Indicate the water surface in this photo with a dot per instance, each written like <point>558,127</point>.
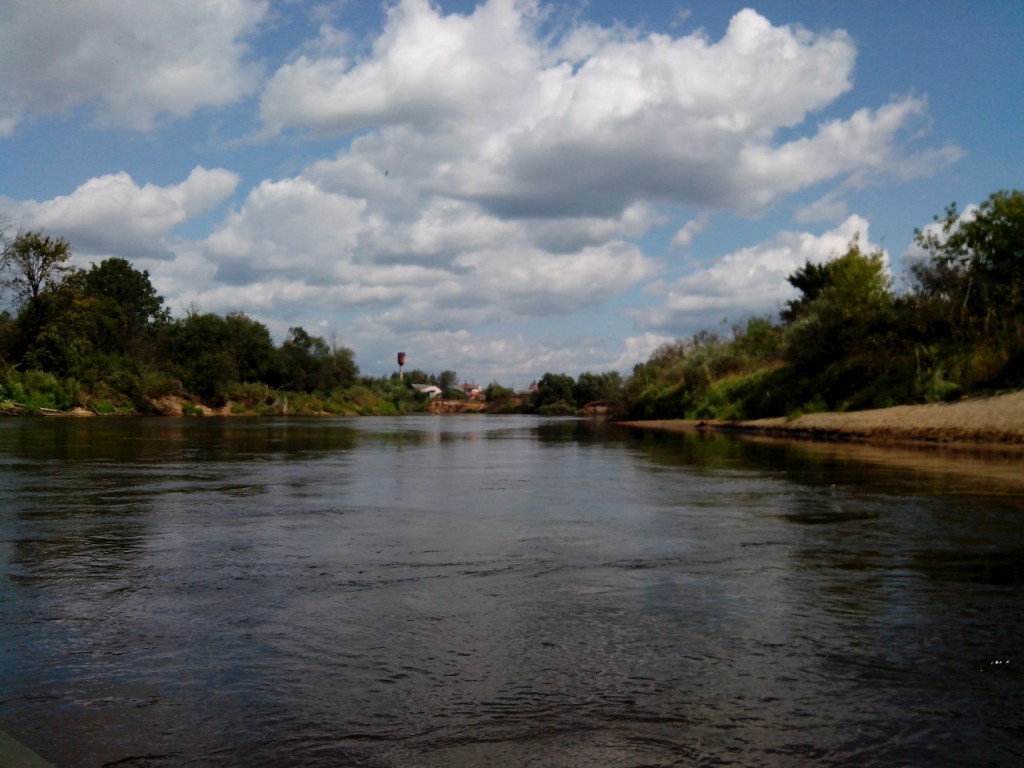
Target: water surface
<point>502,591</point>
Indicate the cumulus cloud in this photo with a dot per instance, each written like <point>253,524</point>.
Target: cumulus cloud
<point>425,68</point>
<point>450,267</point>
<point>749,281</point>
<point>113,215</point>
<point>684,235</point>
<point>492,168</point>
<point>595,121</point>
<point>133,62</point>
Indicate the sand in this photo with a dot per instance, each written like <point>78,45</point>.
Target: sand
<point>997,420</point>
<point>970,446</point>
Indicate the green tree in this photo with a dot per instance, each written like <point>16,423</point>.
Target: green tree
<point>128,305</point>
<point>840,336</point>
<point>252,348</point>
<point>32,263</point>
<point>811,280</point>
<point>198,348</point>
<point>758,343</point>
<point>56,328</point>
<point>309,364</point>
<point>977,261</point>
<point>970,289</point>
<point>344,370</point>
<point>499,398</point>
<point>595,387</point>
<point>553,389</point>
<point>447,380</point>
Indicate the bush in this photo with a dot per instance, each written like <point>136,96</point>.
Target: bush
<point>755,395</point>
<point>157,384</point>
<point>560,408</point>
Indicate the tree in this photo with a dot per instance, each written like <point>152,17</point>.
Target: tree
<point>198,348</point>
<point>595,387</point>
<point>343,367</point>
<point>56,329</point>
<point>970,291</point>
<point>811,280</point>
<point>839,337</point>
<point>554,388</point>
<point>447,380</point>
<point>977,262</point>
<point>308,363</point>
<point>252,348</point>
<point>759,342</point>
<point>128,306</point>
<point>32,263</point>
<point>499,397</point>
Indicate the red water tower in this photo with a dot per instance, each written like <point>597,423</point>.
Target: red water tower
<point>401,362</point>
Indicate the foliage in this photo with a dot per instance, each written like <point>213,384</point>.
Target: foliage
<point>682,378</point>
<point>34,390</point>
<point>597,387</point>
<point>307,363</point>
<point>198,350</point>
<point>848,341</point>
<point>101,338</point>
<point>127,307</point>
<point>972,286</point>
<point>252,350</point>
<point>447,379</point>
<point>33,263</point>
<point>554,388</point>
<point>838,329</point>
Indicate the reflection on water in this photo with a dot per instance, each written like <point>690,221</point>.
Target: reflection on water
<point>504,591</point>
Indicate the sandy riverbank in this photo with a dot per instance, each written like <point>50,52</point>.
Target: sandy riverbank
<point>974,445</point>
<point>997,420</point>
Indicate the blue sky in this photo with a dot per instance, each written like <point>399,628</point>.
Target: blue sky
<point>500,188</point>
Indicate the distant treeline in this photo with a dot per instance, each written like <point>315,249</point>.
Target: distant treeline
<point>849,341</point>
<point>102,339</point>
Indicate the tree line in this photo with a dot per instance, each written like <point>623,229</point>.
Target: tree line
<point>102,338</point>
<point>849,340</point>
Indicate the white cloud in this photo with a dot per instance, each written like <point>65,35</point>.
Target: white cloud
<point>294,248</point>
<point>749,281</point>
<point>424,68</point>
<point>684,235</point>
<point>112,215</point>
<point>134,62</point>
<point>830,207</point>
<point>598,121</point>
<point>490,171</point>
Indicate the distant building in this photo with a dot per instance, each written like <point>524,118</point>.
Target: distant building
<point>427,389</point>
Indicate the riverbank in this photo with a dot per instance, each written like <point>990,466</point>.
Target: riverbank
<point>997,420</point>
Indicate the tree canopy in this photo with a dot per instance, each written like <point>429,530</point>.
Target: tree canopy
<point>33,263</point>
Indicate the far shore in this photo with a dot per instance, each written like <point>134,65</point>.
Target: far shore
<point>992,421</point>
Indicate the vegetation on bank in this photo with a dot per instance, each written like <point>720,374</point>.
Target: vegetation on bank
<point>852,342</point>
<point>101,339</point>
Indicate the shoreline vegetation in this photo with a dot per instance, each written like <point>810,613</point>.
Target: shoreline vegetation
<point>984,421</point>
<point>851,357</point>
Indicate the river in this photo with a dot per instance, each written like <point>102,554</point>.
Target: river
<point>498,591</point>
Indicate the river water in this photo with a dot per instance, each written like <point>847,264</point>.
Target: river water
<point>499,591</point>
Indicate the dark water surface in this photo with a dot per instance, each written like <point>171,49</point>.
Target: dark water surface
<point>497,591</point>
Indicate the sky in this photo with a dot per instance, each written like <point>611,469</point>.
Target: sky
<point>502,188</point>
